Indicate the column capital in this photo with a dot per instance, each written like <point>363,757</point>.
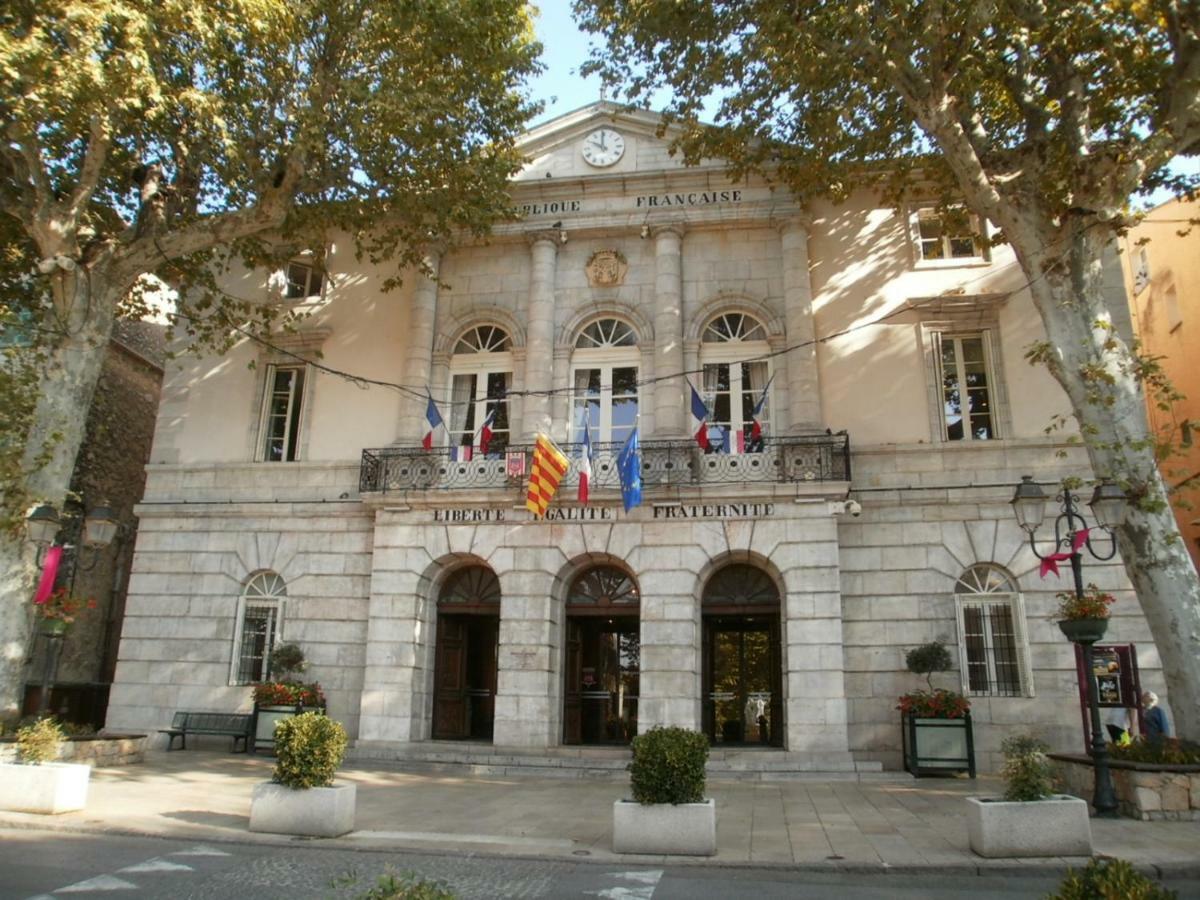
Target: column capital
<point>801,220</point>
<point>675,228</point>
<point>553,236</point>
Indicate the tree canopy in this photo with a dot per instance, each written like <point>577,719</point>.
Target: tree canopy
<point>168,137</point>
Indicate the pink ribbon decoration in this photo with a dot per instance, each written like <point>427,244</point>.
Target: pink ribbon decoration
<point>49,573</point>
<point>1050,563</point>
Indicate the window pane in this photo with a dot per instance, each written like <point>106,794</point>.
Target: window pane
<point>258,636</point>
<point>951,395</point>
<point>962,247</point>
<point>624,417</point>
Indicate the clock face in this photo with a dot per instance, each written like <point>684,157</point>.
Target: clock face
<point>603,147</point>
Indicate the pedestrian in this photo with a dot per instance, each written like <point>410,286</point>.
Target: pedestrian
<point>1154,717</point>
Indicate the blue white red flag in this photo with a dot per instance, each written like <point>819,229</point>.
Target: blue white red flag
<point>485,432</point>
<point>434,418</point>
<point>699,419</point>
<point>585,462</point>
<point>756,436</point>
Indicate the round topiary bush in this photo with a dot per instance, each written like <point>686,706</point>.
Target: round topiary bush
<point>38,743</point>
<point>927,659</point>
<point>1026,769</point>
<point>668,766</point>
<point>308,749</point>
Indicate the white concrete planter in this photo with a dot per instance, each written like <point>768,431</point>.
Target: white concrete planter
<point>315,812</point>
<point>1058,826</point>
<point>47,788</point>
<point>688,829</point>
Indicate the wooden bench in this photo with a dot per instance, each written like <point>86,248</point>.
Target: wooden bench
<point>235,725</point>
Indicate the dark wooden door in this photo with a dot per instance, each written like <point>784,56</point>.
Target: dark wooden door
<point>450,679</point>
<point>483,635</point>
<point>572,701</point>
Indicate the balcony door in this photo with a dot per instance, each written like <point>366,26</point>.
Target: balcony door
<point>605,381</point>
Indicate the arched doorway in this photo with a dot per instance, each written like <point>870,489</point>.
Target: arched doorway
<point>468,630</point>
<point>743,672</point>
<point>603,659</point>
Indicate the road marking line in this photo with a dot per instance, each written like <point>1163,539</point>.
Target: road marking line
<point>99,883</point>
<point>199,850</point>
<point>648,879</point>
<point>157,865</point>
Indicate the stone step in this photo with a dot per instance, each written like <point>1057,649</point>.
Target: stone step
<point>607,762</point>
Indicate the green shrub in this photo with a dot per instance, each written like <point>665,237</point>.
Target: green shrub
<point>668,766</point>
<point>286,660</point>
<point>308,749</point>
<point>927,659</point>
<point>1112,879</point>
<point>1161,750</point>
<point>399,886</point>
<point>38,743</point>
<point>1026,769</point>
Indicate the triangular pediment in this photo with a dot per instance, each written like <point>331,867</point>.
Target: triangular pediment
<point>555,148</point>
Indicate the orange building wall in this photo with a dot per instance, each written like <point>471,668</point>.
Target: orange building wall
<point>1162,270</point>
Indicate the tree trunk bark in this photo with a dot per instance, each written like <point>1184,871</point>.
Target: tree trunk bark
<point>1083,304</point>
<point>64,397</point>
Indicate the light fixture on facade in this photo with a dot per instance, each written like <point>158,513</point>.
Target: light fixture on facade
<point>1109,505</point>
<point>100,526</point>
<point>1029,504</point>
<point>41,525</point>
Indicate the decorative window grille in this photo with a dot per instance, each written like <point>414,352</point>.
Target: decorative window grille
<point>992,642</point>
<point>260,610</point>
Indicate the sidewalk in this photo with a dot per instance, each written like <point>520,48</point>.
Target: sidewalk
<point>906,825</point>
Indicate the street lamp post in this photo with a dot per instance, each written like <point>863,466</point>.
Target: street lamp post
<point>42,525</point>
<point>1071,534</point>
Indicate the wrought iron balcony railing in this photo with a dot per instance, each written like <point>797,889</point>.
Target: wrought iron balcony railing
<point>678,463</point>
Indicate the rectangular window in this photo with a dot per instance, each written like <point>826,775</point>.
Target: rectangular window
<point>964,371</point>
<point>945,237</point>
<point>732,390</point>
<point>303,281</point>
<point>608,397</point>
<point>256,636</point>
<point>473,397</point>
<point>281,415</point>
<point>992,646</point>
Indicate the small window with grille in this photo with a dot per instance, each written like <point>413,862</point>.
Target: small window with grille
<point>260,609</point>
<point>992,642</point>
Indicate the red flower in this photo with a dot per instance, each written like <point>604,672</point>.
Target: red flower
<point>937,704</point>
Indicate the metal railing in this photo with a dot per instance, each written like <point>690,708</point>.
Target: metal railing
<point>677,463</point>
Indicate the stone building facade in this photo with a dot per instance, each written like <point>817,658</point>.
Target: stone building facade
<point>765,592</point>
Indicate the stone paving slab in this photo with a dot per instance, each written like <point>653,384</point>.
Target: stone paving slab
<point>913,825</point>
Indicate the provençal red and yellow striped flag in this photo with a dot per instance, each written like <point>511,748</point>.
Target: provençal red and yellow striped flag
<point>549,467</point>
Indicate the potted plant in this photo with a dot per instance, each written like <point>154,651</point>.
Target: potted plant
<point>1084,618</point>
<point>668,813</point>
<point>284,696</point>
<point>937,735</point>
<point>302,798</point>
<point>34,783</point>
<point>1030,819</point>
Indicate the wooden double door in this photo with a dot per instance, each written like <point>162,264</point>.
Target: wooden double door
<point>464,692</point>
<point>603,664</point>
<point>743,681</point>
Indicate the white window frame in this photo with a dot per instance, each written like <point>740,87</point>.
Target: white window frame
<point>733,352</point>
<point>606,359</point>
<point>984,337</point>
<point>293,433</point>
<point>1015,602</point>
<point>979,256</point>
<point>481,364</point>
<point>1141,270</point>
<point>262,591</point>
<point>312,273</point>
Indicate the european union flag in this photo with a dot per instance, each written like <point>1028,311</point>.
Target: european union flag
<point>629,468</point>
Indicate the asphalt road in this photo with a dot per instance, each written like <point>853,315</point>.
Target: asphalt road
<point>60,864</point>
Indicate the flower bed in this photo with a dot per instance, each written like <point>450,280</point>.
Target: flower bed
<point>90,750</point>
<point>1146,791</point>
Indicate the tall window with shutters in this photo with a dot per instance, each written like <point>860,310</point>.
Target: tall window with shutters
<point>259,615</point>
<point>992,642</point>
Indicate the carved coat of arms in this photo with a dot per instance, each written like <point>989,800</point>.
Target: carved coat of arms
<point>606,268</point>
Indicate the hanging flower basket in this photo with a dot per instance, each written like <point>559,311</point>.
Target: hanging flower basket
<point>1083,631</point>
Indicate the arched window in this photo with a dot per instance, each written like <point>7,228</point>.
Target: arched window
<point>992,643</point>
<point>472,586</point>
<point>740,586</point>
<point>603,587</point>
<point>733,354</point>
<point>259,617</point>
<point>605,379</point>
<point>480,376</point>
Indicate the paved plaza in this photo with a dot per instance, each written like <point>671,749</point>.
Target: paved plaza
<point>879,825</point>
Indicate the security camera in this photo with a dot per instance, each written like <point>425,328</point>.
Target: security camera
<point>854,508</point>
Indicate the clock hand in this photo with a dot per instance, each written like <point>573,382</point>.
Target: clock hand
<point>602,140</point>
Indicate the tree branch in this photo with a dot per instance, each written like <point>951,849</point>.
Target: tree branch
<point>99,140</point>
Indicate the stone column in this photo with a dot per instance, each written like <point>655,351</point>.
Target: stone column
<point>539,317</point>
<point>803,380</point>
<point>669,400</point>
<point>418,359</point>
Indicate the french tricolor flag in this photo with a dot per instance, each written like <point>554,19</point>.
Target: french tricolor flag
<point>699,419</point>
<point>756,430</point>
<point>485,432</point>
<point>585,463</point>
<point>434,418</point>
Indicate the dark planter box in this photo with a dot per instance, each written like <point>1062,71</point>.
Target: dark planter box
<point>938,746</point>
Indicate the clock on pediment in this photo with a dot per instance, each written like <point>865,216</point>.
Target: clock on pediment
<point>603,147</point>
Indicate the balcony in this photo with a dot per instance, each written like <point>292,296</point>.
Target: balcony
<point>677,464</point>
